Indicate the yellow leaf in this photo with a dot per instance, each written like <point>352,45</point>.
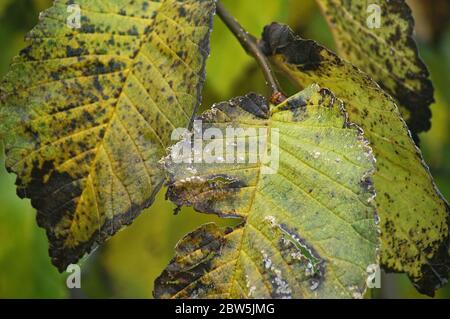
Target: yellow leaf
<point>377,37</point>
<point>414,215</point>
<point>88,109</point>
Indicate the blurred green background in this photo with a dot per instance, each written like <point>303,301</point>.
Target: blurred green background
<point>128,264</point>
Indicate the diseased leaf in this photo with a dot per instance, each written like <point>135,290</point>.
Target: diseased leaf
<point>131,260</point>
<point>414,215</point>
<point>26,272</point>
<point>88,112</point>
<point>388,53</point>
<point>308,228</point>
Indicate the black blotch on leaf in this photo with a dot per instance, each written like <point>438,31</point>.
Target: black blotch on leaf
<point>253,103</point>
<point>280,39</point>
<point>180,273</point>
<point>46,182</point>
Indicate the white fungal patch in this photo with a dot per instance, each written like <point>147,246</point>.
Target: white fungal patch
<point>303,251</point>
<point>191,170</point>
<point>314,284</point>
<point>267,261</point>
<point>251,291</point>
<point>296,255</point>
<point>356,293</point>
<point>197,293</point>
<point>251,288</point>
<point>220,159</point>
<point>286,242</point>
<point>272,220</point>
<point>281,286</point>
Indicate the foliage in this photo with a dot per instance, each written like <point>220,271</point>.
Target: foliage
<point>388,53</point>
<point>30,275</point>
<point>406,192</point>
<point>413,243</point>
<point>308,229</point>
<point>69,101</point>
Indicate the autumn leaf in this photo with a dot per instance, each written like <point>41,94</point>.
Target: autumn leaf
<point>308,226</point>
<point>414,215</point>
<point>88,112</point>
<point>377,37</point>
<point>25,245</point>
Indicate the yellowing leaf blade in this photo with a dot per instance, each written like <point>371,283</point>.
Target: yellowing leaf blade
<point>89,112</point>
<point>386,51</point>
<point>308,229</point>
<point>414,215</point>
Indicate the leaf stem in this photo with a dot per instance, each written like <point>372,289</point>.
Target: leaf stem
<point>250,44</point>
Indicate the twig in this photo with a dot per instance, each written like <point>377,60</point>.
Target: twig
<point>250,45</point>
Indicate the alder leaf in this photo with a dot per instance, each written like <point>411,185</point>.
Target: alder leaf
<point>414,215</point>
<point>308,227</point>
<point>387,52</point>
<point>87,113</point>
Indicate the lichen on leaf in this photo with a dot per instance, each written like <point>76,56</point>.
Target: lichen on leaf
<point>88,112</point>
<point>414,215</point>
<point>307,226</point>
<point>387,52</point>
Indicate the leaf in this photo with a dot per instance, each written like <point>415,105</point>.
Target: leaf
<point>128,271</point>
<point>389,53</point>
<point>89,112</point>
<point>25,270</point>
<point>414,215</point>
<point>307,228</point>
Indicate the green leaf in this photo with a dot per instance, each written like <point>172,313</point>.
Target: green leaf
<point>307,227</point>
<point>414,215</point>
<point>388,53</point>
<point>87,113</point>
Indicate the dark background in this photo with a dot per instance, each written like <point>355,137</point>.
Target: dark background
<point>128,264</point>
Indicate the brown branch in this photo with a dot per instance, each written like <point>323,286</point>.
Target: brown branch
<point>249,43</point>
